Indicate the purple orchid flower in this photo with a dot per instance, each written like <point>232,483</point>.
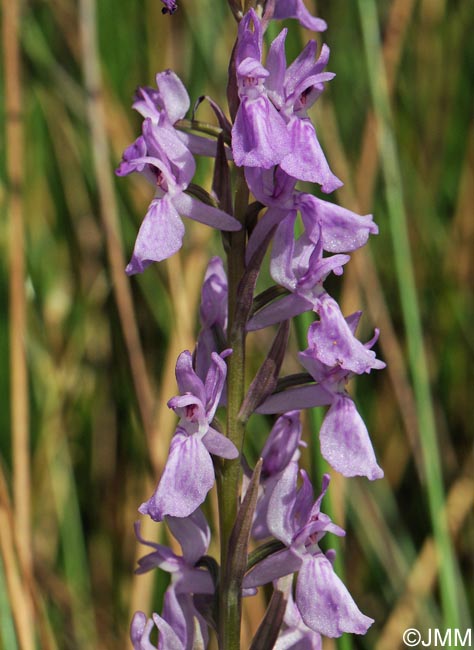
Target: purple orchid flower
<point>164,159</point>
<point>321,598</point>
<point>166,106</point>
<point>296,9</point>
<point>213,314</point>
<point>189,473</point>
<point>259,136</point>
<point>141,627</point>
<point>281,448</point>
<point>333,357</point>
<point>340,230</point>
<point>296,635</point>
<point>187,580</point>
<point>293,91</point>
<point>300,268</point>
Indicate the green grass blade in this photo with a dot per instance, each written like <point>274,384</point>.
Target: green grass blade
<point>449,585</point>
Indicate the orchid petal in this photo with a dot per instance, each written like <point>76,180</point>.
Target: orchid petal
<point>324,602</point>
<point>160,236</point>
<point>187,478</point>
<point>306,160</point>
<point>192,533</point>
<point>218,445</point>
<point>272,567</point>
<point>173,94</point>
<point>345,442</point>
<point>190,207</point>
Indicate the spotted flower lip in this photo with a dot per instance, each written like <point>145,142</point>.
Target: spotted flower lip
<point>176,626</point>
<point>321,598</point>
<point>164,160</point>
<point>189,473</point>
<point>333,357</point>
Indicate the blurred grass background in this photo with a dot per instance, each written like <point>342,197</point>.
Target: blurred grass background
<point>87,355</point>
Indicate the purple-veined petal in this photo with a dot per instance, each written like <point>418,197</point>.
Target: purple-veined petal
<point>342,230</point>
<point>272,567</point>
<point>345,442</point>
<point>278,311</point>
<point>164,144</point>
<point>334,345</point>
<point>132,153</point>
<point>147,102</point>
<point>160,236</point>
<point>199,145</point>
<point>168,639</point>
<point>282,444</point>
<point>297,635</point>
<point>260,521</point>
<point>192,533</point>
<point>324,602</point>
<point>192,414</point>
<point>188,381</point>
<point>281,267</point>
<point>190,207</point>
<point>195,581</point>
<point>280,519</point>
<point>213,308</point>
<point>173,94</point>
<point>302,504</point>
<point>259,134</point>
<point>187,478</point>
<point>302,397</point>
<point>276,66</point>
<point>216,443</point>
<point>302,67</point>
<point>162,556</point>
<point>215,381</point>
<point>140,629</point>
<point>249,41</point>
<point>272,187</point>
<point>306,160</point>
<point>296,9</point>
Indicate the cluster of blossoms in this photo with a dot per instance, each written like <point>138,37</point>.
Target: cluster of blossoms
<point>272,144</point>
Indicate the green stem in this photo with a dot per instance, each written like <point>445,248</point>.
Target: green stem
<point>228,484</point>
<point>448,569</point>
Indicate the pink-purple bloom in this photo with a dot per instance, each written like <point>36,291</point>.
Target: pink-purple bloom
<point>164,159</point>
<point>296,9</point>
<point>281,448</point>
<point>272,126</point>
<point>213,315</point>
<point>189,473</point>
<point>321,598</point>
<point>296,635</point>
<point>332,358</point>
<point>273,139</point>
<point>259,136</point>
<point>340,230</point>
<point>176,624</point>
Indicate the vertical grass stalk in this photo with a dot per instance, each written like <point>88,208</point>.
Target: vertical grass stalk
<point>448,570</point>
